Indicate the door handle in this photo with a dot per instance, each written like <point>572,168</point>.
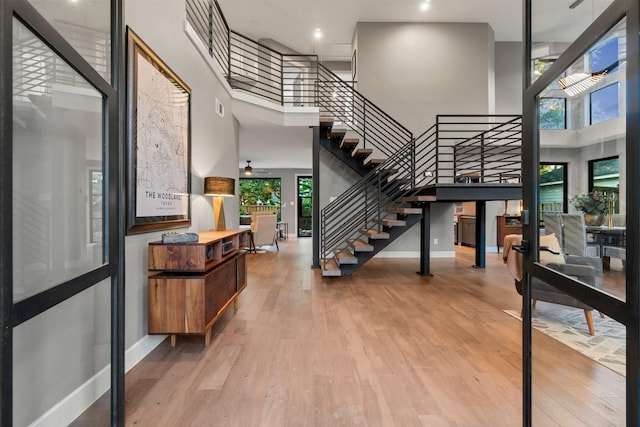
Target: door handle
<point>522,248</point>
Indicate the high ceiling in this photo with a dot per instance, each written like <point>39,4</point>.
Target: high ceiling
<point>292,23</point>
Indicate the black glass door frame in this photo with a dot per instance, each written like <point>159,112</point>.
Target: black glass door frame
<point>624,312</point>
<point>13,313</point>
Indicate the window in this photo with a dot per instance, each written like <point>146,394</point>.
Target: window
<point>604,57</point>
<point>96,206</point>
<point>553,188</point>
<point>604,175</point>
<point>259,194</point>
<point>604,104</point>
<point>553,113</point>
<point>540,66</point>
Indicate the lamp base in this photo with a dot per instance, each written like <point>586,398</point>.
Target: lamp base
<point>218,214</point>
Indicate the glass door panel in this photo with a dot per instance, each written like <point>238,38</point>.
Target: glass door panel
<point>578,354</point>
<point>54,364</point>
<point>595,187</point>
<point>578,379</point>
<point>555,25</point>
<point>57,153</point>
<point>85,25</point>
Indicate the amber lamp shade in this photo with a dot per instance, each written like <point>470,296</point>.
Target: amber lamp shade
<point>219,186</point>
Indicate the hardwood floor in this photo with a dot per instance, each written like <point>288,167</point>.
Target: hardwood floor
<point>383,347</point>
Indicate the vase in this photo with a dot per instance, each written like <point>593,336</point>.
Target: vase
<point>594,219</point>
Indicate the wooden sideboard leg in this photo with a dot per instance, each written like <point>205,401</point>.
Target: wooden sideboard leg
<point>235,304</point>
<point>174,338</point>
<point>207,337</point>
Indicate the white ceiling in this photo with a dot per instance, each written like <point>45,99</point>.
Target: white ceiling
<point>292,24</point>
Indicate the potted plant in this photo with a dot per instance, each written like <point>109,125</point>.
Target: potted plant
<point>594,205</point>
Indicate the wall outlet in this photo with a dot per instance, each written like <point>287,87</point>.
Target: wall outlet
<point>435,241</point>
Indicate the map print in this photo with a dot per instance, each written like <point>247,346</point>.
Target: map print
<point>161,144</point>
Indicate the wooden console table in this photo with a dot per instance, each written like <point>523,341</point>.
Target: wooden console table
<point>191,284</point>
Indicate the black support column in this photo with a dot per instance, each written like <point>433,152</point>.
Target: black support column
<point>425,239</point>
<point>481,216</point>
<point>315,197</point>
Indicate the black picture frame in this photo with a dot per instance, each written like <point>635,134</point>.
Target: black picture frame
<point>158,180</point>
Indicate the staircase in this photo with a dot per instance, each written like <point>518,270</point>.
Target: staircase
<point>371,214</point>
<point>388,200</point>
<point>399,173</point>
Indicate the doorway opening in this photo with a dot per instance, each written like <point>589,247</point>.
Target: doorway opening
<point>305,205</point>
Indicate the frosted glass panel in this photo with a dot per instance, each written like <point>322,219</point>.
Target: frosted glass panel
<point>57,154</point>
<point>85,24</point>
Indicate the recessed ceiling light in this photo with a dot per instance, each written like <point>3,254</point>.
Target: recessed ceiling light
<point>424,5</point>
<point>317,33</point>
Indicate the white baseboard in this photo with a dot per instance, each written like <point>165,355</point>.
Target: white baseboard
<point>139,350</point>
<point>415,254</point>
<point>69,408</point>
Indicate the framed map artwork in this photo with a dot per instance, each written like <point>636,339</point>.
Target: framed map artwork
<point>158,143</point>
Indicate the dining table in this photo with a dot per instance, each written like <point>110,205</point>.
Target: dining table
<point>613,239</point>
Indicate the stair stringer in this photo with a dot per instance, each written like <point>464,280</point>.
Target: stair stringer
<point>379,244</point>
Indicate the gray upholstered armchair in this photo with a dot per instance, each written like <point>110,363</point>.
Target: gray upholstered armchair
<point>586,269</point>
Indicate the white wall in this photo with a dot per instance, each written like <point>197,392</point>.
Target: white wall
<point>508,72</point>
<point>414,71</point>
<point>214,141</point>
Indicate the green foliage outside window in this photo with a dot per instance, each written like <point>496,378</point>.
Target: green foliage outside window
<point>259,192</point>
<point>552,113</point>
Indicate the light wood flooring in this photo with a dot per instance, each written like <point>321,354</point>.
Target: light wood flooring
<point>383,347</point>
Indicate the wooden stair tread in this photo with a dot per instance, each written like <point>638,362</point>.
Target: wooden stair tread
<point>343,256</point>
<point>349,143</point>
<point>374,162</point>
<point>337,133</point>
<point>405,211</point>
<point>414,199</point>
<point>360,245</point>
<point>331,268</point>
<point>362,152</point>
<point>390,222</point>
<point>375,234</point>
<point>326,120</point>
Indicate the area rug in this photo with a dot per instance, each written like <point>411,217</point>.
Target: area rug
<point>568,325</point>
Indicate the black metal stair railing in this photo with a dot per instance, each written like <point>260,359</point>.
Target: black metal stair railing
<point>251,66</point>
<point>364,205</point>
<point>378,130</point>
<point>470,148</point>
<point>457,148</point>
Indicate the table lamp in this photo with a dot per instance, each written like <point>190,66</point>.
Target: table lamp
<point>219,187</point>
